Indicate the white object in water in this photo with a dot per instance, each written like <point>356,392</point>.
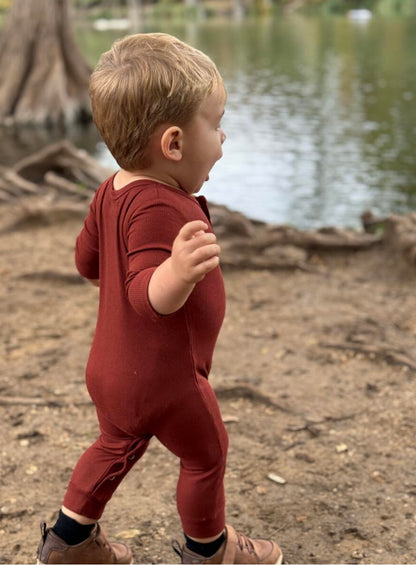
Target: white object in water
<point>102,24</point>
<point>361,14</point>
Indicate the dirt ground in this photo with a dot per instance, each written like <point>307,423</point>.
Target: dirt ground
<point>314,372</point>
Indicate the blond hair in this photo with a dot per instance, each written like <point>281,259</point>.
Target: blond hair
<point>143,81</point>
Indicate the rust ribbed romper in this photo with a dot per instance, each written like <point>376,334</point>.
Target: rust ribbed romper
<point>147,374</point>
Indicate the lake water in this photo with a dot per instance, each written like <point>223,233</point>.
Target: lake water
<point>320,119</point>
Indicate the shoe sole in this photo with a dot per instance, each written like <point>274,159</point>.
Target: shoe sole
<point>279,559</point>
<point>42,563</point>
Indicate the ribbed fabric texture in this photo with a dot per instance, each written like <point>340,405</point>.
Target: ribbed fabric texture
<point>146,373</point>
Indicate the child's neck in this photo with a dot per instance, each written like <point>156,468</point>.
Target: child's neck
<point>123,178</point>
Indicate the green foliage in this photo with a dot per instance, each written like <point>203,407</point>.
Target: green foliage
<point>381,7</point>
<point>5,5</point>
<point>82,188</point>
<point>173,10</point>
<point>177,9</point>
<point>396,7</point>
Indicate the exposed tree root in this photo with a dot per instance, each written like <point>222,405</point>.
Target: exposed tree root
<point>57,183</point>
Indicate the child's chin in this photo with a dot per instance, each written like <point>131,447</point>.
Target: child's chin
<point>197,188</point>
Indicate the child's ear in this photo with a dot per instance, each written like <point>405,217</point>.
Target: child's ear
<point>171,143</point>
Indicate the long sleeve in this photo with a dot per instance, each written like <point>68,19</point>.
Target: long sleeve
<point>150,236</point>
<point>87,246</point>
<point>128,233</point>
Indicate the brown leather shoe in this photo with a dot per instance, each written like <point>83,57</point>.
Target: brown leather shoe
<point>237,548</point>
<point>95,549</point>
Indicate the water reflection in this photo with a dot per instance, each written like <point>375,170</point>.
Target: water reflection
<point>18,142</point>
<point>321,122</point>
<point>320,119</point>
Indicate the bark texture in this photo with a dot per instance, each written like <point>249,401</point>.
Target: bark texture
<point>44,78</point>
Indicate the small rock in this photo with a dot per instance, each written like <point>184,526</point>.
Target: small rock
<point>301,518</point>
<point>357,554</point>
<point>31,470</point>
<point>341,448</point>
<point>276,478</point>
<point>230,419</point>
<point>377,476</point>
<point>128,534</point>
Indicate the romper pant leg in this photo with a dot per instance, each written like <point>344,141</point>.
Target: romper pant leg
<point>101,469</point>
<point>194,431</point>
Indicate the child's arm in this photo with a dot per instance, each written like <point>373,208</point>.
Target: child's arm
<point>86,248</point>
<point>194,254</point>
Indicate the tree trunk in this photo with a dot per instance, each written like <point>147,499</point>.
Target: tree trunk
<point>44,77</point>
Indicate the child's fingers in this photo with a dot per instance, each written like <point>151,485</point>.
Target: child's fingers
<point>190,229</point>
<point>204,253</point>
<point>200,241</point>
<point>206,266</point>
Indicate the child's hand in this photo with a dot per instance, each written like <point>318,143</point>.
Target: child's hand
<point>194,252</point>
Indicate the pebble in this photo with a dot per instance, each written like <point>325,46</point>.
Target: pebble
<point>377,476</point>
<point>230,419</point>
<point>341,448</point>
<point>276,478</point>
<point>31,470</point>
<point>128,534</point>
<point>301,518</point>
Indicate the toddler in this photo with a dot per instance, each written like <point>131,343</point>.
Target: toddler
<point>148,244</point>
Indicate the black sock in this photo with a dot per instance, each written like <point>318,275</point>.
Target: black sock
<point>71,531</point>
<point>205,549</point>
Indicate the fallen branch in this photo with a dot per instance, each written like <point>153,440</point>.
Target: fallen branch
<point>64,157</point>
<point>61,171</point>
<point>53,276</point>
<point>384,352</point>
<point>325,238</point>
<point>59,166</point>
<point>37,401</point>
<point>311,425</point>
<point>325,419</point>
<point>65,185</point>
<point>14,179</point>
<point>249,393</point>
<point>42,212</point>
<point>12,513</point>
